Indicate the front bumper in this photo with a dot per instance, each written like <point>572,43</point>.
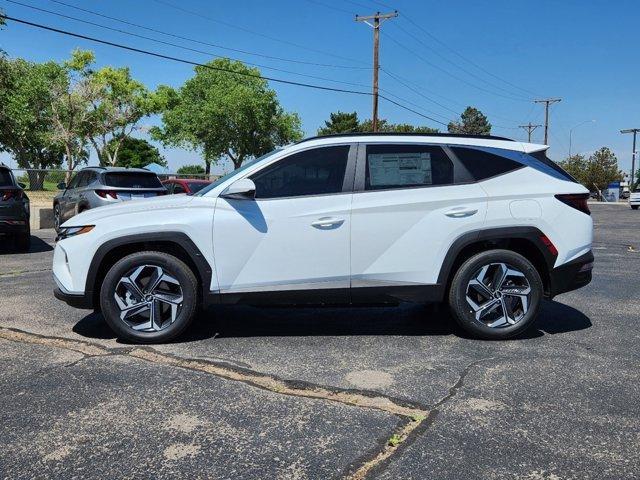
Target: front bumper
<point>74,300</point>
<point>572,275</point>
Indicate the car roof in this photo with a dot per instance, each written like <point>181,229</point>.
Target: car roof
<point>435,138</point>
<point>117,169</point>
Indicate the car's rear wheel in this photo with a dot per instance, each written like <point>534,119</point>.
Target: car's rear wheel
<point>635,207</point>
<point>149,297</point>
<point>496,294</point>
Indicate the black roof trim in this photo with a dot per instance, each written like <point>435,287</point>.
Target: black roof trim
<point>405,134</point>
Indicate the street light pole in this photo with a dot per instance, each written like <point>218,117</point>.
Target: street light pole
<point>573,128</point>
<point>633,153</point>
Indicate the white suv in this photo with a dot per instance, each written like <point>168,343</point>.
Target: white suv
<point>487,224</point>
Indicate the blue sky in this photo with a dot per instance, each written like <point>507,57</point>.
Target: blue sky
<point>582,51</point>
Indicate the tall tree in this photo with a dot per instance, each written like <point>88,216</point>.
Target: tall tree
<point>340,122</point>
<point>385,126</point>
<point>577,166</point>
<point>472,121</point>
<point>225,114</point>
<point>602,169</point>
<point>72,98</point>
<point>26,116</point>
<point>136,153</point>
<point>120,102</point>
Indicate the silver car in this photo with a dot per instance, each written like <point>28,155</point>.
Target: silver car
<point>98,186</point>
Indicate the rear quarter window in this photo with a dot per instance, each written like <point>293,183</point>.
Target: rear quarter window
<point>482,165</point>
<point>132,180</point>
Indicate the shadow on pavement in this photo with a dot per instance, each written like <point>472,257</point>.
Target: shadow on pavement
<point>403,320</point>
<point>38,245</point>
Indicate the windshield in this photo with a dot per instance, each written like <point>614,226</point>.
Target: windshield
<point>132,180</point>
<point>230,175</point>
<point>6,180</point>
<point>196,186</point>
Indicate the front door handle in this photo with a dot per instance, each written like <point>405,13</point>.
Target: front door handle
<point>461,212</point>
<point>325,223</point>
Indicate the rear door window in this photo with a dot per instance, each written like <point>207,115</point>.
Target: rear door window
<point>132,180</point>
<point>6,179</point>
<point>406,166</point>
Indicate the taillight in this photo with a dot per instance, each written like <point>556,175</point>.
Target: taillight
<point>107,193</point>
<point>549,244</point>
<point>8,194</point>
<point>576,200</point>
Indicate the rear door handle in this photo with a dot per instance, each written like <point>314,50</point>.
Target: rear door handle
<point>461,212</point>
<point>325,223</point>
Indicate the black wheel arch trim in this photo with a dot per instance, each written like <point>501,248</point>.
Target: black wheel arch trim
<point>205,271</point>
<point>532,234</point>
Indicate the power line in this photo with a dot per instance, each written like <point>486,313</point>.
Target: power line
<point>530,129</point>
<point>443,57</point>
<point>210,67</point>
<point>247,30</point>
<point>316,77</point>
<point>201,42</point>
<point>547,102</point>
<point>417,55</point>
<point>479,67</point>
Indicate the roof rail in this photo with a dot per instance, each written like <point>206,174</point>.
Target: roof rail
<point>405,134</point>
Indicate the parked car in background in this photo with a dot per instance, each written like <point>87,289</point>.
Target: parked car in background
<point>634,199</point>
<point>489,225</point>
<point>14,210</point>
<point>183,185</point>
<point>99,186</point>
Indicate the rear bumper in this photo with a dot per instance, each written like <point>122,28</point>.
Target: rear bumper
<point>11,226</point>
<point>572,275</point>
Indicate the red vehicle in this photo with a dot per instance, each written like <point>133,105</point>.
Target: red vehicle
<point>184,185</point>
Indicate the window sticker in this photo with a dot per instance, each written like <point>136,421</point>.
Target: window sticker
<point>399,169</point>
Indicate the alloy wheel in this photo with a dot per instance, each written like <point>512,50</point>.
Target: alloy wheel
<point>149,298</point>
<point>499,295</point>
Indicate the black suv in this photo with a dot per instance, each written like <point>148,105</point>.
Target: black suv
<point>14,210</point>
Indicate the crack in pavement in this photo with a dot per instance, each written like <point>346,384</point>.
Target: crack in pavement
<point>415,415</point>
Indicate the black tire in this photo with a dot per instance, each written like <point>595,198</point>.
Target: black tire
<point>22,241</point>
<point>56,217</point>
<point>469,271</point>
<point>635,207</point>
<point>170,265</point>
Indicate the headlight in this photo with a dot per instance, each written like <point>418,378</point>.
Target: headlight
<point>66,232</point>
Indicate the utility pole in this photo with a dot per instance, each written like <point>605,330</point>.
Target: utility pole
<point>633,153</point>
<point>529,128</point>
<point>376,54</point>
<point>547,102</point>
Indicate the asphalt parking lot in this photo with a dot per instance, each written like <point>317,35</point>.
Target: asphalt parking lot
<point>298,393</point>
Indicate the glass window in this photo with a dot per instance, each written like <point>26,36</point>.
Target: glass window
<point>178,188</point>
<point>132,180</point>
<point>168,186</point>
<point>83,179</point>
<point>313,172</point>
<point>197,186</point>
<point>6,180</point>
<point>74,181</point>
<point>404,166</point>
<point>482,164</point>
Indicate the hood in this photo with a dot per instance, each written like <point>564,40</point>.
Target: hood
<point>150,205</point>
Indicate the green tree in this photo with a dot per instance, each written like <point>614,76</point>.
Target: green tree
<point>577,166</point>
<point>225,114</point>
<point>118,104</point>
<point>136,153</point>
<point>340,122</point>
<point>472,121</point>
<point>191,170</point>
<point>602,169</point>
<point>26,116</point>
<point>385,126</point>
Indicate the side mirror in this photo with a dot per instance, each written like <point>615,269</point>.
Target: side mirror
<point>22,185</point>
<point>62,186</point>
<point>243,189</point>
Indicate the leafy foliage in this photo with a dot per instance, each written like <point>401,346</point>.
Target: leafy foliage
<point>340,122</point>
<point>26,116</point>
<point>191,170</point>
<point>136,152</point>
<point>597,171</point>
<point>472,122</point>
<point>222,114</point>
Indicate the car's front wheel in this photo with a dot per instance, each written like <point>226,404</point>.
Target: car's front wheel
<point>496,294</point>
<point>149,297</point>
